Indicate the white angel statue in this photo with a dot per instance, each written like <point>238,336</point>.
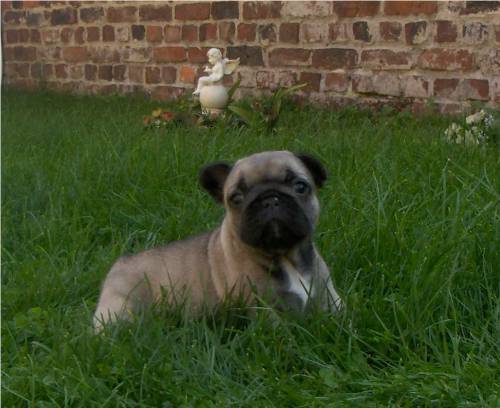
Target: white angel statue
<point>220,67</point>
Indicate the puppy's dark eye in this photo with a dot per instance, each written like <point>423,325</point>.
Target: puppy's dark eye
<point>300,187</point>
<point>236,199</point>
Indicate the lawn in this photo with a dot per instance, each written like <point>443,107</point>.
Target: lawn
<point>410,227</point>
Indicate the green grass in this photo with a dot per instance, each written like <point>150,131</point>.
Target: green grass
<point>410,227</point>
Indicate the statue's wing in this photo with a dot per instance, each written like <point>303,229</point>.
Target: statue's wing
<point>230,65</point>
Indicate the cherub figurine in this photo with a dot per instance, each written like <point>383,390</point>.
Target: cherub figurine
<point>220,67</point>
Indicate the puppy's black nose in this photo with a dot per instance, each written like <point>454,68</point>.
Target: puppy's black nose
<point>271,202</point>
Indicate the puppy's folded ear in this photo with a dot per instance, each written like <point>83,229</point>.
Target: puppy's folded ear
<point>213,177</point>
<point>316,169</point>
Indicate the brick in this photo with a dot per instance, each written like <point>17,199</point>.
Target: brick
<point>126,14</point>
<point>189,33</point>
<point>415,87</point>
<point>36,70</point>
<point>187,74</point>
<point>23,35</point>
<point>66,35</point>
<point>23,70</point>
<point>289,57</point>
<point>446,87</point>
<point>208,32</point>
<point>136,73</point>
<point>312,79</point>
<point>169,54</point>
<point>314,32</point>
<point>334,58</point>
<point>361,31</point>
<point>75,54</point>
<point>192,11</point>
<point>440,59</point>
<point>64,16</point>
<point>300,9</point>
<point>36,19</point>
<point>474,7</point>
<point>222,10</point>
<point>248,55</point>
<point>379,84</point>
<point>119,72</point>
<point>155,13</point>
<point>356,8</point>
<point>79,35</point>
<point>497,33</point>
<point>169,75</point>
<point>76,71</point>
<point>138,32</point>
<point>104,54</point>
<point>390,31</point>
<point>172,33</point>
<point>47,70</point>
<point>90,72</point>
<point>337,82</point>
<point>93,34</point>
<point>122,34</point>
<point>287,79</point>
<point>386,59</point>
<point>166,93</point>
<point>256,10</point>
<point>416,32</point>
<point>289,33</point>
<point>476,89</point>
<point>108,33</point>
<point>267,33</point>
<point>24,53</point>
<point>227,31</point>
<point>446,31</point>
<point>265,79</point>
<point>137,54</point>
<point>154,33</point>
<point>14,17</point>
<point>105,72</point>
<point>247,32</point>
<point>475,32</point>
<point>408,8</point>
<point>51,36</point>
<point>35,36</point>
<point>338,32</point>
<point>91,14</point>
<point>490,61</point>
<point>197,55</point>
<point>11,36</point>
<point>49,53</point>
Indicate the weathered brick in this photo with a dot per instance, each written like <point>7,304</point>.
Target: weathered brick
<point>380,84</point>
<point>169,75</point>
<point>166,93</point>
<point>154,33</point>
<point>390,30</point>
<point>192,11</point>
<point>127,14</point>
<point>105,72</point>
<point>187,74</point>
<point>75,54</point>
<point>475,32</point>
<point>476,89</point>
<point>137,54</point>
<point>416,32</point>
<point>11,36</point>
<point>267,33</point>
<point>208,32</point>
<point>259,10</point>
<point>119,72</point>
<point>247,32</point>
<point>225,10</point>
<point>446,87</point>
<point>24,53</point>
<point>91,14</point>
<point>227,31</point>
<point>155,13</point>
<point>90,72</point>
<point>52,36</point>
<point>334,58</point>
<point>446,60</point>
<point>446,31</point>
<point>497,33</point>
<point>169,54</point>
<point>122,34</point>
<point>79,35</point>
<point>361,31</point>
<point>136,73</point>
<point>103,54</point>
<point>23,70</point>
<point>197,55</point>
<point>415,87</point>
<point>265,79</point>
<point>287,79</point>
<point>337,82</point>
<point>289,57</point>
<point>47,70</point>
<point>338,32</point>
<point>108,33</point>
<point>189,33</point>
<point>314,32</point>
<point>386,59</point>
<point>248,55</point>
<point>35,36</point>
<point>61,71</point>
<point>14,17</point>
<point>172,33</point>
<point>36,70</point>
<point>93,34</point>
<point>66,34</point>
<point>312,81</point>
<point>356,8</point>
<point>288,33</point>
<point>23,35</point>
<point>408,8</point>
<point>76,72</point>
<point>64,16</point>
<point>138,32</point>
<point>301,9</point>
<point>474,7</point>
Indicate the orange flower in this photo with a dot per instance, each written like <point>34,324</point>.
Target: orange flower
<point>167,116</point>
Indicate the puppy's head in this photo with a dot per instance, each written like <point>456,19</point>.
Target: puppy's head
<point>270,197</point>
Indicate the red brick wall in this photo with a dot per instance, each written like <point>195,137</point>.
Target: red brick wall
<point>405,53</point>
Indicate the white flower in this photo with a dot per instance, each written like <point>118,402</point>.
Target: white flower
<point>488,120</point>
<point>476,117</point>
